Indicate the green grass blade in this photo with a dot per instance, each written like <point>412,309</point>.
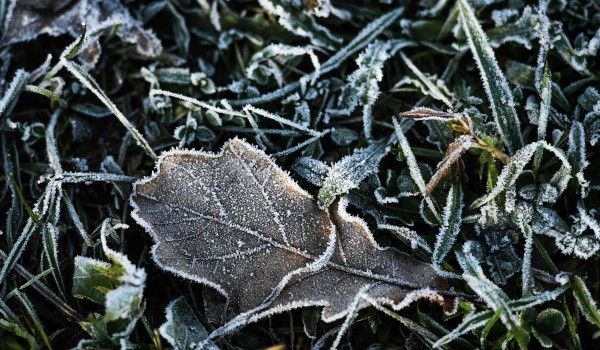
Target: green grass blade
<point>44,92</point>
<point>30,311</point>
<point>586,302</point>
<point>33,216</point>
<point>572,328</point>
<point>50,238</point>
<point>495,84</point>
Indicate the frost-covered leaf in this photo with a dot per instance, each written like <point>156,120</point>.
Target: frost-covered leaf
<point>347,173</point>
<point>550,321</point>
<point>93,278</point>
<point>265,63</point>
<point>117,284</point>
<point>236,222</point>
<point>343,136</point>
<point>427,85</point>
<point>182,329</point>
<point>312,170</point>
<point>494,296</point>
<point>362,87</point>
<point>520,31</point>
<point>365,37</point>
<point>300,23</point>
<point>499,95</point>
<point>414,170</point>
<point>27,21</point>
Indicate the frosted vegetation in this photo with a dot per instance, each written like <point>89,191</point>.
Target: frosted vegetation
<point>321,174</point>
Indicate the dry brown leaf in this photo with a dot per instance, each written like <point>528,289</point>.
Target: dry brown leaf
<point>238,223</point>
<point>27,19</point>
<point>452,156</point>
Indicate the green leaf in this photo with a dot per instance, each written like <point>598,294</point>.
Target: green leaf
<point>499,96</point>
<point>550,321</point>
<point>124,305</point>
<point>586,302</point>
<point>92,279</point>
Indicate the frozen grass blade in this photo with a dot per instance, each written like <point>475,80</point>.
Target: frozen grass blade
<point>247,109</point>
<point>349,319</point>
<point>17,189</point>
<point>50,240</point>
<point>449,230</point>
<point>586,302</point>
<point>86,79</point>
<point>494,297</point>
<point>11,95</point>
<point>577,155</point>
<point>543,116</point>
<point>52,146</point>
<point>41,209</point>
<point>413,168</point>
<point>470,323</point>
<point>526,277</point>
<point>423,333</point>
<point>499,95</point>
<point>76,177</point>
<point>76,220</point>
<point>33,316</point>
<point>44,92</point>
